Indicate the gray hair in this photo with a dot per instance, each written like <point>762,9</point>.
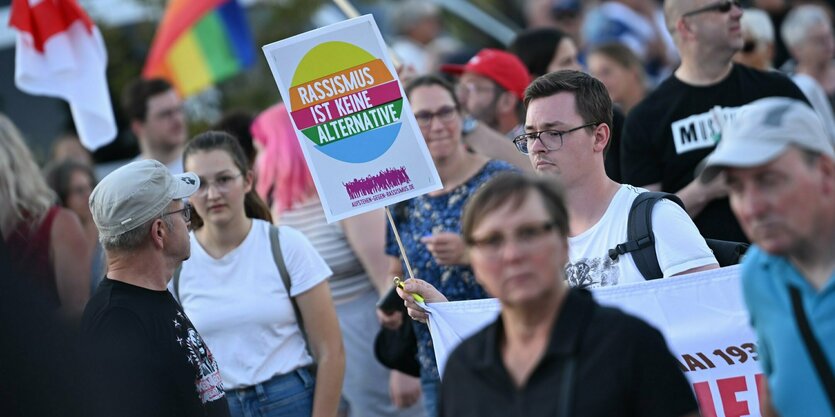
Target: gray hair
<point>134,238</point>
<point>799,21</point>
<point>758,24</point>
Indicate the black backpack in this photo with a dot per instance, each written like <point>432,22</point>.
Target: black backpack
<point>641,240</point>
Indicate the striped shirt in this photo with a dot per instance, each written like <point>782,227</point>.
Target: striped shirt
<point>349,279</point>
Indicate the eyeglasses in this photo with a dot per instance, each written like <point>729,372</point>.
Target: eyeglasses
<point>749,46</point>
<point>722,6</point>
<point>525,237</point>
<point>186,211</point>
<point>444,114</point>
<point>221,183</point>
<point>550,139</point>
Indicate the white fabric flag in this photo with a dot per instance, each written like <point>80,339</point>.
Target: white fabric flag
<point>702,316</point>
<point>450,323</point>
<point>60,53</point>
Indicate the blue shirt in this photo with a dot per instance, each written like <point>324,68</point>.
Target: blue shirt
<point>793,381</point>
<point>423,216</point>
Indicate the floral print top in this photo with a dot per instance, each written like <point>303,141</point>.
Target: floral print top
<point>423,216</point>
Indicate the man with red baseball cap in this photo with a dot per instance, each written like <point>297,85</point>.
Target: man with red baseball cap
<point>491,88</point>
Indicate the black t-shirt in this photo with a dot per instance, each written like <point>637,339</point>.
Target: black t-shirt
<point>670,132</point>
<point>145,357</point>
<point>622,368</point>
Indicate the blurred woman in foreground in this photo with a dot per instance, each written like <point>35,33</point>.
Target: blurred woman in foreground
<point>45,241</point>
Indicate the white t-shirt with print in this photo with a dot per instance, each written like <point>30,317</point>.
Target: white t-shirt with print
<point>678,244</point>
<point>239,305</point>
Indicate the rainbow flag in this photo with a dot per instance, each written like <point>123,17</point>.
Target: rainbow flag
<point>199,43</point>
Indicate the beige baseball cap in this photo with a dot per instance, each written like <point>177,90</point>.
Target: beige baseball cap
<point>135,194</point>
<point>763,130</point>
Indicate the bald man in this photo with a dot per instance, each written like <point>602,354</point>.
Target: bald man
<point>668,134</point>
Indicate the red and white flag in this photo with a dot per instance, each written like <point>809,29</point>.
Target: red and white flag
<point>60,53</point>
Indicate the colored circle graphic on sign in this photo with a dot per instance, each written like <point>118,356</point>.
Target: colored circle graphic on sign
<point>346,102</point>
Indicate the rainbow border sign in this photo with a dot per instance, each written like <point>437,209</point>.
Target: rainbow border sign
<point>351,117</point>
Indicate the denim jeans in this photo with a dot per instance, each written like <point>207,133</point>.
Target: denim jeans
<point>431,391</point>
<point>288,395</point>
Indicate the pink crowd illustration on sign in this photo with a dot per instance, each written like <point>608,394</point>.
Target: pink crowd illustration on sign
<point>372,184</point>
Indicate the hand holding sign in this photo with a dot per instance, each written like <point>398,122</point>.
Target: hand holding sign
<point>413,289</point>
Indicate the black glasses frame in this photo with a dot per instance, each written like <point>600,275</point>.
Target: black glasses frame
<point>444,115</point>
<point>186,211</point>
<point>524,235</point>
<point>522,140</point>
<point>723,6</point>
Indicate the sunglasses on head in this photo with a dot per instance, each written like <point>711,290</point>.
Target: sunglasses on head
<point>722,6</point>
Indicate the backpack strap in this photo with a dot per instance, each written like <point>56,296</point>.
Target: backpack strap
<point>278,257</point>
<point>816,353</point>
<point>640,239</point>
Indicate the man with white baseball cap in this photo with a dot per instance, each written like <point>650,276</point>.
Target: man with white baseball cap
<point>145,356</point>
<point>778,165</point>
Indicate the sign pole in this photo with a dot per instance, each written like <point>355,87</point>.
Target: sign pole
<point>399,243</point>
<point>349,10</point>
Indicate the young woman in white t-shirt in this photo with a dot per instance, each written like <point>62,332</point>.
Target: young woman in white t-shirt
<point>232,291</point>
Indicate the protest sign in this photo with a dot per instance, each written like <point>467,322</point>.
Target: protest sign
<point>702,316</point>
<point>349,111</point>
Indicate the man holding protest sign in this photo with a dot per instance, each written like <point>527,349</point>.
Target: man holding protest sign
<point>780,172</point>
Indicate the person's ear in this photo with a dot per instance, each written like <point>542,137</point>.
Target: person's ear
<point>636,76</point>
<point>602,135</point>
<point>506,103</point>
<point>683,29</point>
<point>158,233</point>
<point>249,180</point>
<point>827,169</point>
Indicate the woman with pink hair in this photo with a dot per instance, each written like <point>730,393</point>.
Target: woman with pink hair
<point>354,250</point>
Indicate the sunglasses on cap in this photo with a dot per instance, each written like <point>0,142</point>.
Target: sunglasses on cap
<point>722,6</point>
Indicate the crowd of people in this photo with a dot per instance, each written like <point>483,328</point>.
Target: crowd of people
<point>203,279</point>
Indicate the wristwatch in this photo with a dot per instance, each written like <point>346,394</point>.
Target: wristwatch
<point>469,124</point>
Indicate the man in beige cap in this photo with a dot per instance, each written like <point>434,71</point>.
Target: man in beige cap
<point>779,169</point>
<point>146,358</point>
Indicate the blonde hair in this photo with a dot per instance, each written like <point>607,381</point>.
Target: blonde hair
<point>24,194</point>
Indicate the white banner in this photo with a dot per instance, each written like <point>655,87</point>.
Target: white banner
<point>356,128</point>
<point>702,317</point>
